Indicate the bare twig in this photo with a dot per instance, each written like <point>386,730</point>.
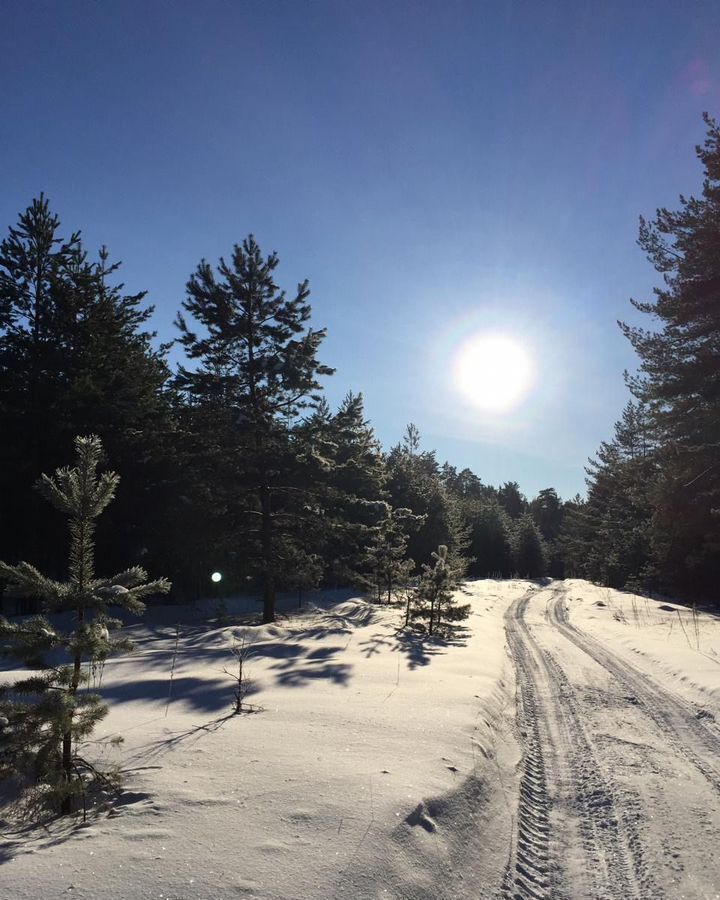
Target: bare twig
<point>704,472</point>
<point>687,636</point>
<point>241,649</point>
<point>397,682</point>
<point>172,670</point>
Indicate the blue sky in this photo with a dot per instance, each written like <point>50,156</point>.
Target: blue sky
<point>434,168</point>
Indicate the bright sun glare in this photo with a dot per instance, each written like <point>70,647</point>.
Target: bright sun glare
<point>493,371</point>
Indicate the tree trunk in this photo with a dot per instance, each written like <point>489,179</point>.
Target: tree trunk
<point>67,761</point>
<point>66,806</point>
<point>267,562</point>
<point>268,597</point>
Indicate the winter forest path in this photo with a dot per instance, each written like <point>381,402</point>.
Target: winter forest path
<point>619,791</point>
<point>563,746</point>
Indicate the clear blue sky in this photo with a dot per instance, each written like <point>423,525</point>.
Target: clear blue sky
<point>431,167</point>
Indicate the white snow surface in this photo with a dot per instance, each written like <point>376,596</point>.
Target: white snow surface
<point>377,765</point>
<point>659,637</point>
<point>360,723</point>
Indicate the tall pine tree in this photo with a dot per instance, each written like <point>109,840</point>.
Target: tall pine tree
<point>529,553</point>
<point>679,379</point>
<point>607,537</point>
<point>257,365</point>
<point>75,357</point>
<point>347,467</point>
<point>415,482</point>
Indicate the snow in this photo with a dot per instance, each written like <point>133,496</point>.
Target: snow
<point>656,635</point>
<point>378,765</point>
<point>360,724</point>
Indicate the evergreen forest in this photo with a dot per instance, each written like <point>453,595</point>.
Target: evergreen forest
<point>233,459</point>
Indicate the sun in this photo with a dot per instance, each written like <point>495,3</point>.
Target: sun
<point>494,372</point>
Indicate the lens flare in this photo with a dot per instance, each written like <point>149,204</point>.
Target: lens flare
<point>494,372</point>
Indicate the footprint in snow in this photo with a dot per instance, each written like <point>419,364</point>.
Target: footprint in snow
<point>419,816</point>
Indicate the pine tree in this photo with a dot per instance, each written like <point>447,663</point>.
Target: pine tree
<point>206,500</point>
<point>464,484</point>
<point>346,471</point>
<point>118,389</point>
<point>529,553</point>
<point>46,713</point>
<point>679,379</point>
<point>490,541</point>
<point>435,597</point>
<point>415,483</point>
<point>632,490</point>
<point>257,369</point>
<point>479,528</point>
<point>574,538</point>
<point>607,538</point>
<point>357,475</point>
<point>37,272</point>
<point>511,500</point>
<point>386,556</point>
<point>75,358</point>
<point>548,512</point>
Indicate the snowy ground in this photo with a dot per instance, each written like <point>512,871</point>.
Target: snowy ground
<point>564,744</point>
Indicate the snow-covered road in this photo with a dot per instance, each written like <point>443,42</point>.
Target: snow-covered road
<point>563,743</point>
<point>620,777</point>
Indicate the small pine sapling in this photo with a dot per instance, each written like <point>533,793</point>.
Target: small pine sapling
<point>45,715</point>
<point>435,597</point>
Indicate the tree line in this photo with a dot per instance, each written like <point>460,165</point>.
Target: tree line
<point>234,460</point>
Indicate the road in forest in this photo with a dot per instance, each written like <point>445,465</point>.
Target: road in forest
<point>619,793</point>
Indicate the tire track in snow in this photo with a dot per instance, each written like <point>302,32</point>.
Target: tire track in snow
<point>678,720</point>
<point>575,793</point>
<point>527,872</point>
<point>609,819</point>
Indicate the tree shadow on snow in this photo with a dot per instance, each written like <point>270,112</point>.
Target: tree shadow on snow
<point>302,668</point>
<point>298,664</point>
<point>375,644</point>
<point>321,622</point>
<point>31,838</point>
<point>209,695</point>
<point>171,741</point>
<point>46,830</point>
<point>419,648</point>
